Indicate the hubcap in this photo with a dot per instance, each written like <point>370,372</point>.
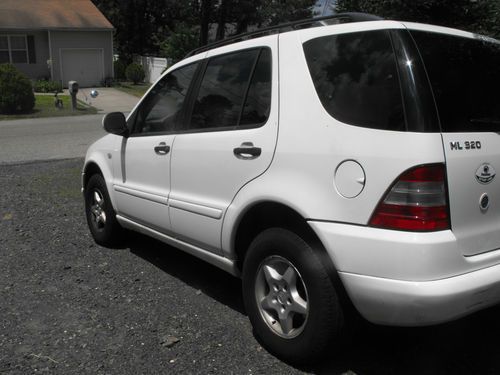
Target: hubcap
<point>281,296</point>
<point>97,209</point>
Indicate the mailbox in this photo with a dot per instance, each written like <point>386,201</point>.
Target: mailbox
<point>73,90</point>
<point>73,87</point>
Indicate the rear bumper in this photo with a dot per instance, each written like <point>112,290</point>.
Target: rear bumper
<point>409,279</point>
<point>405,303</point>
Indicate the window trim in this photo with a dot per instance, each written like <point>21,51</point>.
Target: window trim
<point>10,50</point>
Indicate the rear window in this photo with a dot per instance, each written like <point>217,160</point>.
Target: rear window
<point>356,78</point>
<point>465,78</point>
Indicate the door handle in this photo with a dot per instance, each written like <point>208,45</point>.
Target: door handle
<point>247,151</point>
<point>162,148</point>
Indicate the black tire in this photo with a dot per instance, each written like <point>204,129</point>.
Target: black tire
<point>107,232</point>
<point>312,332</point>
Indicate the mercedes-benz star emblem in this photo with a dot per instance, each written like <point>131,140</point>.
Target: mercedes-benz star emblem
<point>485,174</point>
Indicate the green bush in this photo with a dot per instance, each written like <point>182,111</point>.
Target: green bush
<point>119,68</point>
<point>16,93</point>
<point>43,85</point>
<point>135,73</point>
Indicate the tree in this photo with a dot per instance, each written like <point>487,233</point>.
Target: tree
<point>142,25</point>
<point>179,43</point>
<point>170,26</point>
<point>279,11</point>
<point>473,15</point>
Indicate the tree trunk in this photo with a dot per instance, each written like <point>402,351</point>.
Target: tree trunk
<point>221,24</point>
<point>206,8</point>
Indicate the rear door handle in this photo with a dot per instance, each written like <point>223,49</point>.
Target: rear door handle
<point>247,151</point>
<point>162,148</point>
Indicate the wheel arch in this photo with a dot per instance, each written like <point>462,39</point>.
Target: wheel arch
<point>90,169</point>
<point>99,165</point>
<point>268,214</point>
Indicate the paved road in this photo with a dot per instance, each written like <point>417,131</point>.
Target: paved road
<point>60,137</point>
<point>48,138</point>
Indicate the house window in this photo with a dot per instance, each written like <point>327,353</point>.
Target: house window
<point>14,49</point>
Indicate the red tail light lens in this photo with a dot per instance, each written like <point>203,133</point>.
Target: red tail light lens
<point>416,202</point>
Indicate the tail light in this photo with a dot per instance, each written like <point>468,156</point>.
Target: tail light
<point>416,202</point>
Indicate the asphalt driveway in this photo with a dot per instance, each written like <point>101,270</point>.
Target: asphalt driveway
<point>68,306</point>
<point>108,100</point>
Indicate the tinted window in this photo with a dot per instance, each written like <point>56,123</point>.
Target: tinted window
<point>356,78</point>
<point>465,78</point>
<point>222,90</point>
<point>162,108</point>
<point>258,102</point>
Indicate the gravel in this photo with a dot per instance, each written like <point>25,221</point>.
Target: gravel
<point>68,306</point>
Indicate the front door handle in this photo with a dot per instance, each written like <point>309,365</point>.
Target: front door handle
<point>162,149</point>
<point>247,151</point>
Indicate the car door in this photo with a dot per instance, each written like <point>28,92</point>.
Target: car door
<point>143,174</point>
<point>228,139</point>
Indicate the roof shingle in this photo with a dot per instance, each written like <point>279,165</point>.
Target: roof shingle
<point>51,14</point>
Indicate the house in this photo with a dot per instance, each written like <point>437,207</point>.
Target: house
<point>61,40</point>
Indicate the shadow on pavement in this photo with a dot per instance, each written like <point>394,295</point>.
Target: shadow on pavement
<point>198,274</point>
<point>467,346</point>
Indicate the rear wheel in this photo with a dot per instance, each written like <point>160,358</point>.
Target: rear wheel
<point>101,217</point>
<point>289,297</point>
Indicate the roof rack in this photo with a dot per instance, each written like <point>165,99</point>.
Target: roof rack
<point>290,26</point>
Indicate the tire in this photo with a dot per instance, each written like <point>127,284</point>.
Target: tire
<point>283,275</point>
<point>101,217</point>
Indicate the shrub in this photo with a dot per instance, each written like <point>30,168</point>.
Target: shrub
<point>43,85</point>
<point>135,73</point>
<point>119,68</point>
<point>16,93</point>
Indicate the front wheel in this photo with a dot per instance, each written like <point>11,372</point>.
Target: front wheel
<point>101,217</point>
<point>289,297</point>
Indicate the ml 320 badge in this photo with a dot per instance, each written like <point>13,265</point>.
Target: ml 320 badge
<point>467,145</point>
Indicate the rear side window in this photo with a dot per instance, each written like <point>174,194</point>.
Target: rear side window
<point>235,90</point>
<point>356,78</point>
<point>465,78</point>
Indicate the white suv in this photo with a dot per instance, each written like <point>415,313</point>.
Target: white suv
<point>348,163</point>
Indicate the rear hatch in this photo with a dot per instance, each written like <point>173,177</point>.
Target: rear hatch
<point>464,72</point>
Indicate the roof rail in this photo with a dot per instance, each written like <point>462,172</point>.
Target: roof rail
<point>290,26</point>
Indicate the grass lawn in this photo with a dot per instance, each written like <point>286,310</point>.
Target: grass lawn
<point>44,107</point>
<point>137,90</point>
